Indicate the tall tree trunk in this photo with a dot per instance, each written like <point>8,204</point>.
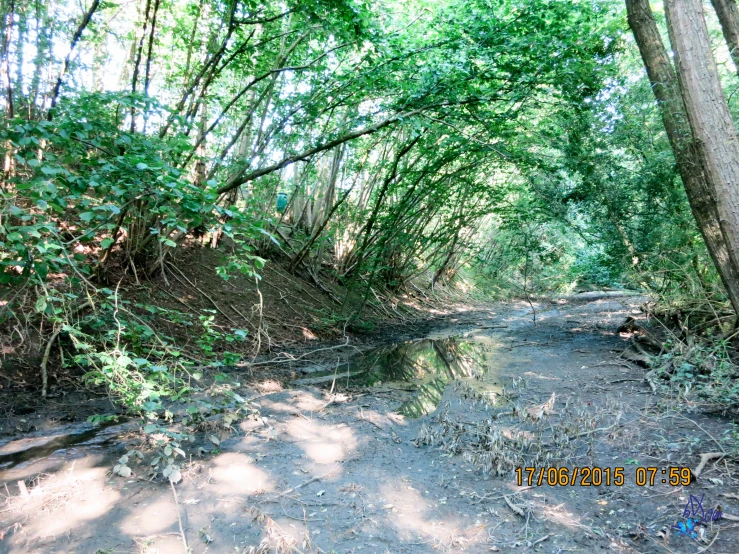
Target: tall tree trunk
<point>708,114</point>
<point>137,62</point>
<point>674,116</point>
<point>5,77</point>
<point>728,16</point>
<point>43,33</point>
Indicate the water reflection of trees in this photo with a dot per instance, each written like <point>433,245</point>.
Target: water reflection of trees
<point>430,363</point>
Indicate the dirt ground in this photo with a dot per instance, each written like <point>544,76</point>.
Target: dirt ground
<point>346,473</point>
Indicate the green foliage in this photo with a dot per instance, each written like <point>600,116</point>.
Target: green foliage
<point>211,337</point>
<point>701,370</point>
<point>516,141</point>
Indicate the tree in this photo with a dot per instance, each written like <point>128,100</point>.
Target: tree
<point>728,16</point>
<point>708,113</point>
<point>687,155</point>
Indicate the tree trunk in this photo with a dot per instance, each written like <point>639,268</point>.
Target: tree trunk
<point>728,16</point>
<point>713,129</point>
<point>65,66</point>
<point>5,76</point>
<point>674,116</point>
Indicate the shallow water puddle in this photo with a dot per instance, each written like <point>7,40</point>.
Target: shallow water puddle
<point>423,368</point>
<point>72,441</point>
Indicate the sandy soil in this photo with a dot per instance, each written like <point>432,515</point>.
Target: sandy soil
<point>348,474</point>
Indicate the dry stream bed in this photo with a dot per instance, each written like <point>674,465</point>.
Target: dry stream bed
<point>406,448</point>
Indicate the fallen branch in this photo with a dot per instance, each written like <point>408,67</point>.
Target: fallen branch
<point>308,482</point>
<point>705,458</point>
<point>295,358</point>
<point>47,350</point>
<point>702,429</point>
<point>45,362</point>
<point>709,545</point>
<point>648,377</point>
<point>516,509</point>
<point>177,506</point>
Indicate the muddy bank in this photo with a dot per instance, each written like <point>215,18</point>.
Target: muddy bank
<point>415,451</point>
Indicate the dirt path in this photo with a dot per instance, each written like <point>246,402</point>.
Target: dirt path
<point>356,476</point>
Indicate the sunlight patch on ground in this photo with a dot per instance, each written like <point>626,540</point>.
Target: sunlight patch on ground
<point>322,443</point>
<point>235,473</point>
<point>558,514</point>
<point>407,511</point>
<point>70,502</point>
<point>145,520</point>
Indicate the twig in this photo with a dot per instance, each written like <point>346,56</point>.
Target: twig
<point>702,429</point>
<point>45,361</point>
<point>179,518</point>
<point>308,482</point>
<point>485,496</point>
<point>705,459</point>
<point>295,358</point>
<point>331,392</point>
<point>260,327</point>
<point>242,315</point>
<point>545,537</point>
<point>517,509</point>
<point>705,548</point>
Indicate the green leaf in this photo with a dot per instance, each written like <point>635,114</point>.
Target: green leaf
<point>41,304</point>
<point>141,165</point>
<point>105,243</point>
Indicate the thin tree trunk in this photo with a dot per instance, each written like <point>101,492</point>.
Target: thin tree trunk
<point>150,48</point>
<point>728,15</point>
<point>75,39</point>
<point>674,116</point>
<point>191,45</point>
<point>20,54</point>
<point>42,41</point>
<point>137,62</point>
<point>5,59</point>
<point>326,214</point>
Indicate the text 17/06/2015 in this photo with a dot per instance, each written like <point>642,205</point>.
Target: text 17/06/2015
<point>598,476</point>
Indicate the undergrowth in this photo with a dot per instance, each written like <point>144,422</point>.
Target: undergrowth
<point>692,351</point>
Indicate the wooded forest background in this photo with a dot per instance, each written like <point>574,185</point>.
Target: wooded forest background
<point>516,146</point>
